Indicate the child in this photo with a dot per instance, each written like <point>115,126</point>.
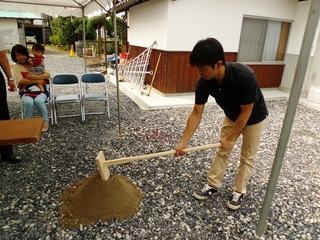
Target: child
<point>37,64</point>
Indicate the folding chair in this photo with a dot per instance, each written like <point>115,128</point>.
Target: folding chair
<point>92,94</point>
<point>48,102</point>
<point>65,94</point>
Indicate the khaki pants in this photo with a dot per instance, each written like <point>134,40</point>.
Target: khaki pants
<point>251,139</point>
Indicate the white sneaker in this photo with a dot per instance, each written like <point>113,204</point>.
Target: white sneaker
<point>235,200</point>
<point>205,192</point>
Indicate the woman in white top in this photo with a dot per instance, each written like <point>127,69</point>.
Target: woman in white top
<point>22,76</point>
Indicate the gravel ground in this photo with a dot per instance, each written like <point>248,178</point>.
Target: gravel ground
<point>30,190</point>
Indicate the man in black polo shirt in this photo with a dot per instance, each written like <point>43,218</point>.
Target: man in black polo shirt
<point>236,91</point>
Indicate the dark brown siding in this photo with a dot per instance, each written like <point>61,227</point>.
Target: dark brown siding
<point>268,76</point>
<point>175,75</point>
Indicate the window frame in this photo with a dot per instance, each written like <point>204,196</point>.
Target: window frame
<point>287,33</point>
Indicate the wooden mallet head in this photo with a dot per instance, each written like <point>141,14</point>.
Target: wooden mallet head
<point>103,168</point>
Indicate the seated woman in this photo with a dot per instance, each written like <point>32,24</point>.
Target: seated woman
<point>22,77</point>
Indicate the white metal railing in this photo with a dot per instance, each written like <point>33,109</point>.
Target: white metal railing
<point>134,70</point>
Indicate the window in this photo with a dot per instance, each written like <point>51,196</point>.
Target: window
<point>263,40</point>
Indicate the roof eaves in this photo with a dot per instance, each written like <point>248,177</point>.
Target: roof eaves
<point>125,4</point>
<point>120,7</point>
<point>16,15</point>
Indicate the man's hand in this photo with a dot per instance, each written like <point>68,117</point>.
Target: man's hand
<point>226,143</point>
<point>179,149</point>
<point>12,86</point>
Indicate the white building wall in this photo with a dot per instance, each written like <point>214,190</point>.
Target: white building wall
<point>190,22</point>
<point>312,76</point>
<point>148,24</point>
<point>178,25</point>
<point>9,32</point>
<point>298,26</point>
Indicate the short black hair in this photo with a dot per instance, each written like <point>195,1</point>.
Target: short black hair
<point>38,47</point>
<point>19,49</point>
<point>207,52</point>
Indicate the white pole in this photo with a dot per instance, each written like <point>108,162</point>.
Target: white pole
<point>84,40</point>
<point>115,37</point>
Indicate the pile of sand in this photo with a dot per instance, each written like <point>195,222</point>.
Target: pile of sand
<point>93,199</point>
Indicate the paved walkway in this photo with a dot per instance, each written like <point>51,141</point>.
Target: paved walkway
<point>157,100</point>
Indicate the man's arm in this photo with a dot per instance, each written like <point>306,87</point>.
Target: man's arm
<point>229,141</point>
<point>4,63</point>
<point>192,125</point>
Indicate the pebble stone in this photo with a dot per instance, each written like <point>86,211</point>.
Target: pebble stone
<point>30,190</point>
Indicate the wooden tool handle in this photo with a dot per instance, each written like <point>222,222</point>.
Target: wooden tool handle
<point>154,74</point>
<point>160,154</point>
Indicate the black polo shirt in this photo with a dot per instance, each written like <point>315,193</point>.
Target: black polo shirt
<point>239,87</point>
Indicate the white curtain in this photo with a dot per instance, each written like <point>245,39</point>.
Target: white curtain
<point>272,41</point>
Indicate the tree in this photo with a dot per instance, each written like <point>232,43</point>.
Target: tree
<point>121,28</point>
<point>90,31</point>
<point>67,30</point>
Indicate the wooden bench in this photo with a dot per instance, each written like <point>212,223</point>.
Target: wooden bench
<point>18,131</point>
